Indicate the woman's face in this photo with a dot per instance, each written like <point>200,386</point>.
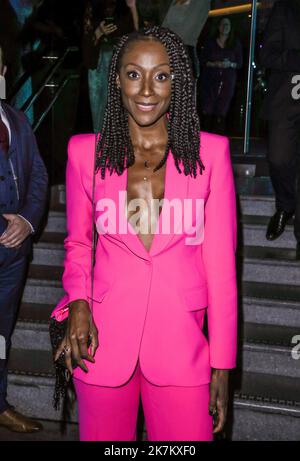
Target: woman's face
<point>225,26</point>
<point>145,81</point>
<point>110,7</point>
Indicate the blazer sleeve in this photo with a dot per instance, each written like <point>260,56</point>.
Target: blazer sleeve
<point>218,252</point>
<point>78,243</point>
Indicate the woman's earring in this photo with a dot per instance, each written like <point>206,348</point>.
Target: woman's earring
<point>172,77</point>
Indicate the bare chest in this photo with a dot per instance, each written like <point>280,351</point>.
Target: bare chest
<point>145,193</point>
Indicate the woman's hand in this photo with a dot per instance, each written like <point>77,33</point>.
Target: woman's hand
<point>104,29</point>
<point>81,327</point>
<point>219,398</point>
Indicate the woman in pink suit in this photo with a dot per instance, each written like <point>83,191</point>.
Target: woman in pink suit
<point>161,265</point>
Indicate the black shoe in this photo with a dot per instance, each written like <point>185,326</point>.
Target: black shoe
<point>277,224</point>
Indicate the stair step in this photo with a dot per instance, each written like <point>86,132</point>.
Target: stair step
<point>31,381</point>
<point>266,408</point>
<point>43,285</point>
<point>255,196</point>
<point>49,250</point>
<point>52,237</point>
<point>51,254</point>
<point>35,313</point>
<point>254,187</point>
<point>31,363</point>
<point>273,265</point>
<point>269,334</point>
<point>31,336</point>
<point>252,232</point>
<point>45,273</point>
<point>272,304</point>
<point>268,349</point>
<point>256,205</point>
<point>32,328</point>
<point>281,393</point>
<point>56,222</point>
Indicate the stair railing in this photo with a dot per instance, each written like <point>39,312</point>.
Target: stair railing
<point>33,98</point>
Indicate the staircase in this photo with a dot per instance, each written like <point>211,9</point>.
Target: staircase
<point>265,386</point>
<point>266,383</point>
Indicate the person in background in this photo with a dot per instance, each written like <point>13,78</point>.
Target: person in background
<point>152,12</point>
<point>187,18</point>
<point>280,56</point>
<point>23,193</point>
<point>220,58</point>
<point>104,22</point>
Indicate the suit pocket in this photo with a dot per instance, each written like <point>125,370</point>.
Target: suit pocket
<point>196,298</point>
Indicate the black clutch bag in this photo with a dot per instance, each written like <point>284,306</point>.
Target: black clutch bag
<point>58,330</point>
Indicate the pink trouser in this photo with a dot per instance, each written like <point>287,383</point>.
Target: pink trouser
<point>171,412</point>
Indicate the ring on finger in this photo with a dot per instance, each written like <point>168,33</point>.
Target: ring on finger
<point>67,349</point>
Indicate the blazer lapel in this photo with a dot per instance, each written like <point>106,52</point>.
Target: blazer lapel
<point>13,129</point>
<point>15,147</point>
<point>176,187</point>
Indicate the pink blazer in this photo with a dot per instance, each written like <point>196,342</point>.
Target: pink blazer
<point>152,304</point>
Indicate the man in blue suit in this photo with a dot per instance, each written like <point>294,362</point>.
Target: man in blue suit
<point>23,193</point>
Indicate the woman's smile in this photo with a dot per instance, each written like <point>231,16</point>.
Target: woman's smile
<point>146,107</point>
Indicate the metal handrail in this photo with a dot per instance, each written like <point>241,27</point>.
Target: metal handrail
<point>27,105</point>
<point>251,65</point>
<point>18,85</point>
<point>54,99</point>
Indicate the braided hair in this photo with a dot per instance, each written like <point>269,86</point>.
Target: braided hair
<point>114,148</point>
